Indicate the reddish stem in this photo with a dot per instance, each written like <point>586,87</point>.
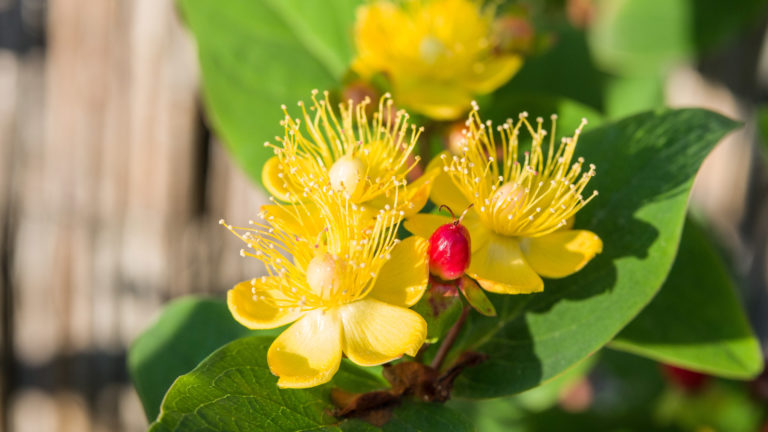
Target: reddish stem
<point>449,340</point>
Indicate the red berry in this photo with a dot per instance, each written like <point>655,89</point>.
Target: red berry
<point>449,251</point>
<point>686,379</point>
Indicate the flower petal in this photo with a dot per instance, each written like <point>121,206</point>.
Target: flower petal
<point>403,279</point>
<point>496,72</point>
<point>498,265</point>
<point>424,224</point>
<point>308,353</point>
<point>417,192</point>
<point>445,192</point>
<point>376,332</point>
<point>437,100</point>
<point>561,253</point>
<point>271,178</point>
<point>261,313</point>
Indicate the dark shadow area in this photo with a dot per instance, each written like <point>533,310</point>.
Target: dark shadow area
<point>22,25</point>
<point>84,372</point>
<point>512,364</point>
<point>731,58</point>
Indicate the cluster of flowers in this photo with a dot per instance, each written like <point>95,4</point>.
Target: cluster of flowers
<point>336,268</point>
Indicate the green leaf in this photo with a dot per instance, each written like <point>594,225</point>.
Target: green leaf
<point>233,390</point>
<point>256,55</point>
<point>187,331</point>
<point>645,168</point>
<point>635,37</point>
<point>476,297</point>
<point>696,321</point>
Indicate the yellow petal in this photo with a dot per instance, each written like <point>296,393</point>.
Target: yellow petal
<point>561,253</point>
<point>498,265</point>
<point>418,191</point>
<point>424,224</point>
<point>403,279</point>
<point>495,72</point>
<point>308,353</point>
<point>261,313</point>
<point>444,192</point>
<point>376,332</point>
<point>372,36</point>
<point>440,101</point>
<point>270,176</point>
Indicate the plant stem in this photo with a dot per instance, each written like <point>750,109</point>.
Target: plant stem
<point>449,340</point>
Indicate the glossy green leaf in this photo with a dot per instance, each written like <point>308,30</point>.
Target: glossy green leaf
<point>187,331</point>
<point>233,390</point>
<point>256,55</point>
<point>696,321</point>
<point>645,168</point>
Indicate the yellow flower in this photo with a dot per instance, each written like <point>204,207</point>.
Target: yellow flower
<point>520,222</point>
<point>438,54</point>
<point>346,291</point>
<point>365,160</point>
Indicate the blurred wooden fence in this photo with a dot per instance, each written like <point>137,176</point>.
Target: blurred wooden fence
<point>110,191</point>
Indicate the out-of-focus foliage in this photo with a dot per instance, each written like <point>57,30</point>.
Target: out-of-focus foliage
<point>623,392</point>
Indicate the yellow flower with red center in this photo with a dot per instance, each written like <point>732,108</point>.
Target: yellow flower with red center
<point>347,290</point>
<point>520,221</point>
<point>437,54</point>
<point>365,159</point>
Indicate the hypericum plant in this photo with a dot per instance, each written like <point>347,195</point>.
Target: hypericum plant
<point>523,204</point>
<point>344,176</point>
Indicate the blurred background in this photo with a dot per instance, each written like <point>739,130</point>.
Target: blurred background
<point>111,186</point>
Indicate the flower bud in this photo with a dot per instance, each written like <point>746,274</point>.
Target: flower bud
<point>688,380</point>
<point>449,251</point>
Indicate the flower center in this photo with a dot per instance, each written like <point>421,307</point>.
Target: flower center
<point>521,197</point>
<point>509,200</point>
<point>430,49</point>
<point>322,276</point>
<point>347,175</point>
